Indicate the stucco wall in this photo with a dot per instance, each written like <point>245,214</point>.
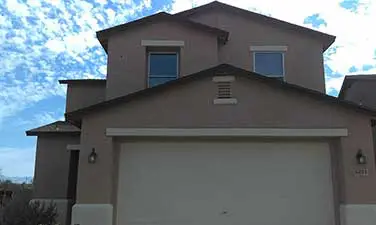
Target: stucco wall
<point>259,105</point>
<point>52,166</point>
<point>303,59</point>
<point>127,58</point>
<point>82,95</point>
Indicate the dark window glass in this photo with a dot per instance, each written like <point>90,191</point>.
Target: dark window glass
<point>163,67</point>
<point>269,63</point>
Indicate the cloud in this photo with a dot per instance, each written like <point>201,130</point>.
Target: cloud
<point>352,21</point>
<point>17,161</point>
<point>43,41</point>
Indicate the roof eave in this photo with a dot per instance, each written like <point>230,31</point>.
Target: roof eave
<point>104,35</point>
<point>39,133</point>
<point>78,114</point>
<point>83,81</point>
<point>326,39</point>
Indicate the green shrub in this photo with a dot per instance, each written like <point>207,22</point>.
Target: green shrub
<point>22,212</point>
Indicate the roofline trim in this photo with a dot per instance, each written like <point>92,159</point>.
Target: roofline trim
<point>83,81</point>
<point>38,133</point>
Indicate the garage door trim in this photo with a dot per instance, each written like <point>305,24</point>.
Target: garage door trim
<point>226,132</point>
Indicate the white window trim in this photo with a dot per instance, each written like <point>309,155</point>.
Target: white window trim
<point>157,52</point>
<point>218,79</point>
<point>162,43</point>
<point>269,48</point>
<point>73,147</point>
<point>226,132</point>
<point>283,63</point>
<point>225,101</point>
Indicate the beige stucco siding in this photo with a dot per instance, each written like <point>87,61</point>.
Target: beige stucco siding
<point>303,59</point>
<point>83,95</point>
<point>127,58</point>
<point>191,105</point>
<point>52,166</point>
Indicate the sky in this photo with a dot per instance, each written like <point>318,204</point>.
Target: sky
<point>42,41</point>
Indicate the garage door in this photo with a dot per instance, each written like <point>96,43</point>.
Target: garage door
<point>211,183</point>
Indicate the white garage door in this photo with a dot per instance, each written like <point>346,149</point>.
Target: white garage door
<point>211,183</point>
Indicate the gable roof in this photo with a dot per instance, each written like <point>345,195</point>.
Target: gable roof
<point>350,79</point>
<point>60,127</point>
<point>84,81</point>
<point>103,35</point>
<point>326,39</point>
<point>223,69</point>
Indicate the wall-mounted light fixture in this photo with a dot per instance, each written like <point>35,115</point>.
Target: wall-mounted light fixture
<point>361,159</point>
<point>92,156</point>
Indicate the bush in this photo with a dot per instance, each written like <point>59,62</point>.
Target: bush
<point>23,212</point>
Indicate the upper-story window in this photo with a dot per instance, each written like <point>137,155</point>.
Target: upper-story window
<point>269,60</point>
<point>162,67</point>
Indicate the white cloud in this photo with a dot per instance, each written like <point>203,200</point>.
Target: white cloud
<point>56,45</point>
<point>356,36</point>
<point>17,161</point>
<point>102,2</point>
<point>334,83</point>
<point>103,70</point>
<point>56,41</point>
<point>46,118</point>
<point>17,8</point>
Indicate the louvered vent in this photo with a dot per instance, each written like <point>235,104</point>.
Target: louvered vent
<point>224,90</point>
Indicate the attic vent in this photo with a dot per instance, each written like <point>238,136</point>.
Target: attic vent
<point>224,90</point>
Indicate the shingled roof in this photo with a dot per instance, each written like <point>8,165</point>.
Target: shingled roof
<point>53,128</point>
<point>326,39</point>
<point>103,35</point>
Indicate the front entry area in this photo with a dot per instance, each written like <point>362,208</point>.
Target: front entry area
<point>222,183</point>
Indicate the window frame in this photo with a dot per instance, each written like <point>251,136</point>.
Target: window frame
<point>162,53</point>
<point>283,63</point>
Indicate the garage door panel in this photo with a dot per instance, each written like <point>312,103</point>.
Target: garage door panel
<point>222,183</point>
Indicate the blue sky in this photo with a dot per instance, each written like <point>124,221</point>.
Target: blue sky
<point>44,41</point>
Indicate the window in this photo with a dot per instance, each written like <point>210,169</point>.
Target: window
<point>163,67</point>
<point>269,63</point>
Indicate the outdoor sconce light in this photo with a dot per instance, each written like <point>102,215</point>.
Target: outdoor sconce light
<point>93,156</point>
<point>361,159</point>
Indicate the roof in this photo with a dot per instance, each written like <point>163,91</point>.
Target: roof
<point>223,69</point>
<point>325,38</point>
<point>350,79</point>
<point>61,127</point>
<point>83,81</point>
<point>103,35</point>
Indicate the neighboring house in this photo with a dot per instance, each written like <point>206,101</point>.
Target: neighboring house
<point>215,115</point>
<point>360,89</point>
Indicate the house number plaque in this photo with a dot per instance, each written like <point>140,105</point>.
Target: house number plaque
<point>363,172</point>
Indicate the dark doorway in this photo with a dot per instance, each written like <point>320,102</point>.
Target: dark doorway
<point>72,181</point>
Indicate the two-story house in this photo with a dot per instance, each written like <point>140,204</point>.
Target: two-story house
<point>215,115</point>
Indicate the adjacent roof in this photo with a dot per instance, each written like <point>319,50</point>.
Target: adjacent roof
<point>325,38</point>
<point>53,128</point>
<point>103,35</point>
<point>223,69</point>
<point>83,81</point>
<point>350,79</point>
